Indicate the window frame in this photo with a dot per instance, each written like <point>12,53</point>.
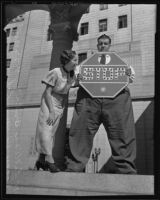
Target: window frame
<point>49,35</point>
<point>124,23</point>
<point>103,25</point>
<point>103,6</point>
<point>11,46</point>
<point>14,31</point>
<point>87,10</point>
<point>8,61</point>
<point>84,32</point>
<point>122,5</point>
<point>19,18</point>
<point>82,54</point>
<point>8,31</point>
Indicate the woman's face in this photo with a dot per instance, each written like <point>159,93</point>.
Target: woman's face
<point>71,64</point>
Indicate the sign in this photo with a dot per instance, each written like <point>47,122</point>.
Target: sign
<point>104,74</point>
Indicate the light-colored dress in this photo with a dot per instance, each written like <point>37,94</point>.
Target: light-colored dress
<point>61,82</point>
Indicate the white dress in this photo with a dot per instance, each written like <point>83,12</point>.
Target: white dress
<point>45,134</point>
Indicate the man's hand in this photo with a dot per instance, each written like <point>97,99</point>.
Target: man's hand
<point>51,119</point>
<point>131,73</point>
<point>128,72</point>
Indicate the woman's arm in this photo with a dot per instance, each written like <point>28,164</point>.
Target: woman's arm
<point>48,100</point>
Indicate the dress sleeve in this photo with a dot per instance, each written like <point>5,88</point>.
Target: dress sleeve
<point>50,78</point>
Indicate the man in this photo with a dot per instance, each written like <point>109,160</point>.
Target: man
<point>116,114</point>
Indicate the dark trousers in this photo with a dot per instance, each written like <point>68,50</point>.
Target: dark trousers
<point>117,117</point>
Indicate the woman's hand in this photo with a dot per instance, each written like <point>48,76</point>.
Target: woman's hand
<point>51,118</point>
<point>79,77</point>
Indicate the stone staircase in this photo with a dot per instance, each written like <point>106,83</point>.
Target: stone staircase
<point>32,182</point>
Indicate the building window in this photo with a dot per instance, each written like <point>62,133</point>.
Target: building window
<point>19,18</point>
<point>8,32</point>
<point>81,57</point>
<point>8,63</point>
<point>102,25</point>
<point>84,28</point>
<point>122,21</point>
<point>11,45</point>
<point>87,10</point>
<point>103,6</point>
<point>49,36</point>
<point>122,4</point>
<point>14,31</point>
<point>49,33</point>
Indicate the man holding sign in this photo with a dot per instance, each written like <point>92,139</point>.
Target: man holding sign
<point>115,113</point>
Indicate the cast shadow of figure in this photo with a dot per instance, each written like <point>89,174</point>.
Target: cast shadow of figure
<point>109,167</point>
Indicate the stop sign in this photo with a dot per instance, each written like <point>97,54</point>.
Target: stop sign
<point>104,74</point>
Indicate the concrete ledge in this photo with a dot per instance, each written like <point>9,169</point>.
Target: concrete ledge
<point>77,184</point>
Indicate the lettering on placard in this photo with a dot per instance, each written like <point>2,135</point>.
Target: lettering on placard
<point>102,73</point>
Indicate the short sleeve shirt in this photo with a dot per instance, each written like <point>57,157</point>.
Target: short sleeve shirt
<point>60,80</point>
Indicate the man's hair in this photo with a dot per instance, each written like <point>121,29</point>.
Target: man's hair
<point>66,56</point>
<point>104,36</point>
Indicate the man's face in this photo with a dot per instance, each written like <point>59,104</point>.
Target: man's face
<point>103,44</point>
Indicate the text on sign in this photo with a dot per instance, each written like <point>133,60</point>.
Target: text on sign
<point>102,73</point>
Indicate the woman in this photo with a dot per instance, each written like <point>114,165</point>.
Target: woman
<point>58,82</point>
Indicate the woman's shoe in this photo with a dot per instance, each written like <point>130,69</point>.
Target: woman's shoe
<point>52,167</point>
<point>40,165</point>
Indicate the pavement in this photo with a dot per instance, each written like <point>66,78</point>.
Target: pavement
<point>77,184</point>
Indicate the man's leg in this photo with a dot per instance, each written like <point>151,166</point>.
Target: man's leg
<point>119,123</point>
<point>84,125</point>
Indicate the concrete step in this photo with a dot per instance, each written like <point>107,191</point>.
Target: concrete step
<point>77,184</point>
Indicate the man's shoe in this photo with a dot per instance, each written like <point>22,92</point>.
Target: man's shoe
<point>52,167</point>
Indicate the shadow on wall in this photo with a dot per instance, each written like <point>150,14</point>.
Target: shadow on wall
<point>145,143</point>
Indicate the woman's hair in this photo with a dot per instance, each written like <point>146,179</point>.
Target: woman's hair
<point>66,56</point>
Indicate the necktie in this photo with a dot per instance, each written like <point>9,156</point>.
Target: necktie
<point>103,59</point>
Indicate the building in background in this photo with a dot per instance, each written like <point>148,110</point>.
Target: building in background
<point>29,45</point>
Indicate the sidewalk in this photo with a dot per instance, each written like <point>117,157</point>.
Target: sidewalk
<point>77,184</point>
